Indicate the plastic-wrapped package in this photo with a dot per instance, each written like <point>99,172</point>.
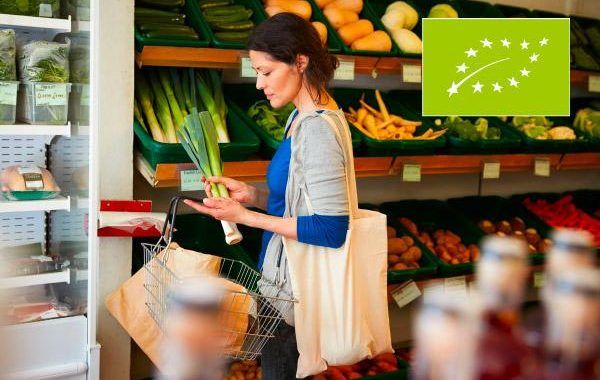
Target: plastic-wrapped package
<point>8,52</point>
<point>39,8</point>
<point>28,183</point>
<point>44,61</point>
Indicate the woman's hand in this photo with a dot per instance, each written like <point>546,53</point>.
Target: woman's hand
<point>222,209</point>
<point>238,191</point>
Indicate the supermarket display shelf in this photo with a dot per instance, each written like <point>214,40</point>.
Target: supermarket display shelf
<point>167,175</point>
<point>80,26</point>
<point>36,279</point>
<point>35,130</point>
<point>58,203</point>
<point>79,202</point>
<point>173,56</point>
<point>45,23</point>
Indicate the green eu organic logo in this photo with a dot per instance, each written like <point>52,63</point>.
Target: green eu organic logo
<point>496,67</point>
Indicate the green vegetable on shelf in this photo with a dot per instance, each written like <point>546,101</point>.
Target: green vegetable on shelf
<point>271,120</point>
<point>466,130</point>
<point>588,120</point>
<point>540,128</point>
<point>230,23</point>
<point>44,61</point>
<point>29,7</point>
<point>8,69</point>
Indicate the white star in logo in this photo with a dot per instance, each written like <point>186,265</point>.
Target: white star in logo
<point>544,41</point>
<point>497,87</point>
<point>513,82</point>
<point>486,43</point>
<point>524,44</point>
<point>477,87</point>
<point>462,68</point>
<point>452,90</point>
<point>534,57</point>
<point>505,43</point>
<point>525,72</point>
<point>471,53</point>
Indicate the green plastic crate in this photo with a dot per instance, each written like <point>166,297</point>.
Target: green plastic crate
<point>430,215</point>
<point>240,97</point>
<point>378,8</point>
<point>365,14</point>
<point>576,105</point>
<point>553,146</point>
<point>334,43</point>
<point>258,16</point>
<point>478,9</point>
<point>243,143</point>
<point>428,263</point>
<point>373,147</point>
<point>495,209</point>
<point>194,22</point>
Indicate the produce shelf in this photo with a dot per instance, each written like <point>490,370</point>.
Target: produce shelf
<point>173,56</point>
<point>16,21</point>
<point>58,203</point>
<point>36,279</point>
<point>35,130</point>
<point>167,175</point>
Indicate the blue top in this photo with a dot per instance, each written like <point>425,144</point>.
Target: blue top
<point>322,230</point>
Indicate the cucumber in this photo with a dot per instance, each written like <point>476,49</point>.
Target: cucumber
<point>176,35</point>
<point>235,17</point>
<point>233,36</point>
<point>214,3</point>
<point>162,3</point>
<point>160,27</point>
<point>224,11</point>
<point>160,20</point>
<point>233,26</point>
<point>143,11</point>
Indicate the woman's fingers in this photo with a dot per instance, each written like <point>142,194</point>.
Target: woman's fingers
<point>228,182</point>
<point>199,207</point>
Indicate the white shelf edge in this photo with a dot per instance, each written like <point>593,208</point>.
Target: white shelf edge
<point>81,275</point>
<point>58,203</point>
<point>16,21</point>
<point>35,279</point>
<point>80,26</point>
<point>80,202</point>
<point>35,130</point>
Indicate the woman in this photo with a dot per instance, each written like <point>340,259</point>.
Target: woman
<point>292,65</point>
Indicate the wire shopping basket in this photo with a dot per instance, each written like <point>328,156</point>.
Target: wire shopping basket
<point>249,315</point>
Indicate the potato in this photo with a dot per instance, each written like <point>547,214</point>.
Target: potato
<point>517,224</point>
<point>393,259</point>
<point>504,226</point>
<point>391,232</point>
<point>487,226</point>
<point>413,254</point>
<point>408,240</point>
<point>396,245</point>
<point>409,224</point>
<point>400,266</point>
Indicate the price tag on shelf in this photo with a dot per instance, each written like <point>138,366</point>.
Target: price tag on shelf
<point>411,73</point>
<point>431,289</point>
<point>406,293</point>
<point>246,70</point>
<point>191,180</point>
<point>542,167</point>
<point>345,70</point>
<point>491,170</point>
<point>411,173</point>
<point>539,279</point>
<point>594,83</point>
<point>50,94</point>
<point>8,93</point>
<point>45,10</point>
<point>455,286</point>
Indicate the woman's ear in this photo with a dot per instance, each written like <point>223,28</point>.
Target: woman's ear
<point>301,63</point>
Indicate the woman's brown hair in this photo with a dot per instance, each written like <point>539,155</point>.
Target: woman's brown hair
<point>284,37</point>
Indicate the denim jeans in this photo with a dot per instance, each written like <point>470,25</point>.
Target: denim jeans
<point>280,354</point>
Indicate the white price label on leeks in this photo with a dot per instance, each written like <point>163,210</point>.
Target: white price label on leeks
<point>51,94</point>
<point>594,83</point>
<point>411,173</point>
<point>491,170</point>
<point>406,293</point>
<point>411,73</point>
<point>8,93</point>
<point>542,167</point>
<point>345,70</point>
<point>191,180</point>
<point>246,70</point>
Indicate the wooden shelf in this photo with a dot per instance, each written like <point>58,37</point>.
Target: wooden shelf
<point>230,59</point>
<point>167,175</point>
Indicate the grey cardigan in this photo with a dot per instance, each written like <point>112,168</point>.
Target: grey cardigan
<point>317,168</point>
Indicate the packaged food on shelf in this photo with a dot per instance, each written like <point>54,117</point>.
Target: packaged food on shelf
<point>33,265</point>
<point>22,310</point>
<point>43,103</point>
<point>28,183</point>
<point>79,10</point>
<point>38,8</point>
<point>8,76</point>
<point>44,61</point>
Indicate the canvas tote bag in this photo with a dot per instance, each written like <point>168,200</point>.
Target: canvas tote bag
<point>341,316</point>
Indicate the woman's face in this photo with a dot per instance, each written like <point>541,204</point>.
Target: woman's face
<point>280,82</point>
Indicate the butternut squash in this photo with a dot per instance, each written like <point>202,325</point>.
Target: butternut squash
<point>322,30</point>
<point>355,30</point>
<point>301,8</point>
<point>351,5</point>
<point>339,17</point>
<point>323,3</point>
<point>376,41</point>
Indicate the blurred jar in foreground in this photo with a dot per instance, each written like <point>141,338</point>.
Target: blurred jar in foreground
<point>572,340</point>
<point>502,275</point>
<point>193,332</point>
<point>571,249</point>
<point>445,337</point>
